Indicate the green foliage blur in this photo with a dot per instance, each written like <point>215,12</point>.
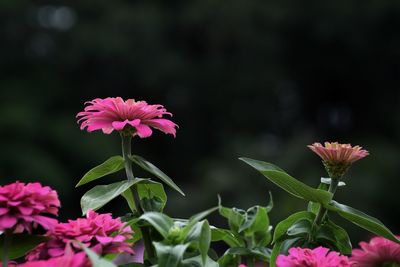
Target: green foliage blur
<point>259,79</point>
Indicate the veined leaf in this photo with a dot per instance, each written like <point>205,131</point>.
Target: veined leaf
<point>150,167</point>
<point>110,166</point>
<point>288,183</point>
<point>363,220</point>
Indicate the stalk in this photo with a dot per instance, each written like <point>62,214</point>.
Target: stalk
<point>126,152</point>
<point>6,246</point>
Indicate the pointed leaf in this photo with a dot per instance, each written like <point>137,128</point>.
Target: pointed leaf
<point>198,261</point>
<point>152,196</point>
<point>148,166</point>
<point>169,256</point>
<point>110,166</point>
<point>100,195</point>
<point>363,220</point>
<point>200,233</point>
<point>161,222</point>
<point>290,184</point>
<point>96,260</point>
<point>284,225</point>
<point>218,234</point>
<point>337,235</point>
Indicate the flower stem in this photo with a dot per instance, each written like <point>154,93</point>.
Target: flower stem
<point>322,211</point>
<point>126,152</point>
<point>6,246</point>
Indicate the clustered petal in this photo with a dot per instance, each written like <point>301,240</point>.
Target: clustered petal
<point>130,116</point>
<point>100,232</point>
<point>69,259</point>
<point>25,206</point>
<point>318,257</point>
<point>378,252</point>
<point>335,153</point>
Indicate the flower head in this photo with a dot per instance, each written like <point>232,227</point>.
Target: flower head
<point>337,158</point>
<point>129,117</point>
<point>378,252</point>
<point>318,257</point>
<point>99,232</point>
<point>67,260</point>
<point>25,206</point>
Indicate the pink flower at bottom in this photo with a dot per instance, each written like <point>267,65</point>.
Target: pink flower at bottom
<point>376,253</point>
<point>318,257</point>
<point>25,206</point>
<point>68,260</point>
<point>99,232</point>
<point>134,117</point>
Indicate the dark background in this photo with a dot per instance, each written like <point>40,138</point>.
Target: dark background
<point>256,78</point>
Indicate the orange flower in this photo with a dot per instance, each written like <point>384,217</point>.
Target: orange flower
<point>337,158</point>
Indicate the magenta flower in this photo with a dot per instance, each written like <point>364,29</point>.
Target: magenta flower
<point>130,117</point>
<point>378,252</point>
<point>25,206</point>
<point>335,153</point>
<point>67,260</point>
<point>318,257</point>
<point>99,232</point>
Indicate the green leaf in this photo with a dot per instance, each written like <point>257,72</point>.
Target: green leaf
<point>257,253</point>
<point>96,260</point>
<point>261,165</point>
<point>169,256</point>
<point>336,235</point>
<point>21,244</point>
<point>161,222</point>
<point>110,166</point>
<point>201,215</point>
<point>314,206</point>
<point>363,220</point>
<point>284,225</point>
<point>218,234</point>
<point>152,196</point>
<point>100,195</point>
<point>276,250</point>
<point>148,166</point>
<point>301,227</point>
<point>288,183</point>
<point>198,261</point>
<point>128,195</point>
<point>200,233</point>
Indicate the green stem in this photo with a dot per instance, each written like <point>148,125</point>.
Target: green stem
<point>322,211</point>
<point>126,152</point>
<point>6,246</point>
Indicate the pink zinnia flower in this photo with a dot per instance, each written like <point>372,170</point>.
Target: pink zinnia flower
<point>67,260</point>
<point>318,257</point>
<point>378,252</point>
<point>99,232</point>
<point>130,116</point>
<point>335,153</point>
<point>25,206</point>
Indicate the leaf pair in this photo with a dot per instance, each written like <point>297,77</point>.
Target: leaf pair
<point>180,235</point>
<point>151,194</point>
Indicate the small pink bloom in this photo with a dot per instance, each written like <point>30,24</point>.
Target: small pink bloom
<point>318,257</point>
<point>377,252</point>
<point>335,153</point>
<point>25,206</point>
<point>132,117</point>
<point>67,260</point>
<point>100,232</point>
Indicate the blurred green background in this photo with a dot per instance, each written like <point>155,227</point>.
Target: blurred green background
<point>256,78</point>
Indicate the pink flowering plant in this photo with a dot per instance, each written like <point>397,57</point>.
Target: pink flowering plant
<point>31,235</point>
